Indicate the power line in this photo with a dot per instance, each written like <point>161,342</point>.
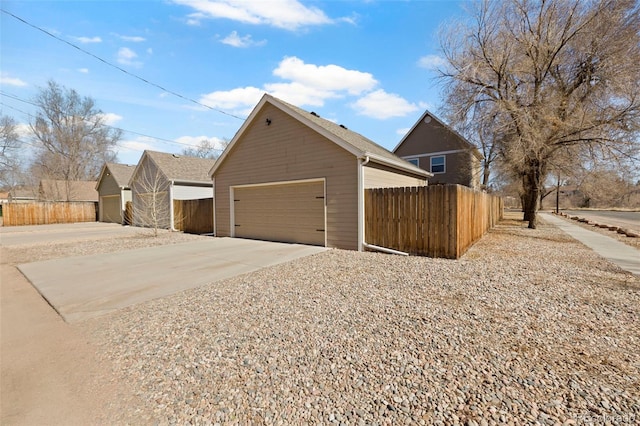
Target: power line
<point>186,98</point>
<point>106,125</point>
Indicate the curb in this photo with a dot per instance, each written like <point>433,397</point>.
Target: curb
<point>619,230</point>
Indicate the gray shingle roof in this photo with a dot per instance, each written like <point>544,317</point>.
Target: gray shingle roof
<point>181,167</point>
<point>121,173</point>
<point>62,190</point>
<point>361,143</point>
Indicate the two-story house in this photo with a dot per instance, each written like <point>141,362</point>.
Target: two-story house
<point>437,148</point>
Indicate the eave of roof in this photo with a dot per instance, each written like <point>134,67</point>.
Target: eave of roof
<point>329,130</point>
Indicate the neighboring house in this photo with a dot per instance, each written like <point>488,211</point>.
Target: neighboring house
<point>114,192</point>
<point>67,190</point>
<point>4,197</point>
<point>159,178</point>
<point>437,148</point>
<point>23,195</point>
<point>289,175</point>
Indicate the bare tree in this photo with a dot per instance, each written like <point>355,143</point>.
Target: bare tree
<point>548,75</point>
<point>9,147</point>
<point>206,148</point>
<point>151,206</point>
<point>72,138</point>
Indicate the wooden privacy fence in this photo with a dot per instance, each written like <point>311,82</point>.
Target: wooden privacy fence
<point>193,216</point>
<point>436,221</point>
<point>43,213</point>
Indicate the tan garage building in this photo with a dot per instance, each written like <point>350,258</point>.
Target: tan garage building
<point>289,175</point>
<point>113,190</point>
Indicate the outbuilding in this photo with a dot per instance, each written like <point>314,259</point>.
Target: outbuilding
<point>159,179</point>
<point>114,192</point>
<point>289,175</point>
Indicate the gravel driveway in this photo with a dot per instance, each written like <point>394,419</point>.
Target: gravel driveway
<point>529,326</point>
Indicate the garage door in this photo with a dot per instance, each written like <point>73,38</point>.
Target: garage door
<point>292,213</point>
<point>110,209</point>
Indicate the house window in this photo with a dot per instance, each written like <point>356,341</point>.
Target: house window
<point>414,161</point>
<point>438,164</point>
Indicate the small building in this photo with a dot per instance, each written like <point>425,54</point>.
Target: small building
<point>67,190</point>
<point>159,179</point>
<point>114,192</point>
<point>289,175</point>
<point>434,146</point>
<point>24,194</point>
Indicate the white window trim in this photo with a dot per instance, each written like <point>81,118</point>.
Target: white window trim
<point>444,164</point>
<point>416,159</point>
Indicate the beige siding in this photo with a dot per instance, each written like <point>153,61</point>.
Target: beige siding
<point>108,185</point>
<point>286,150</point>
<point>291,213</point>
<point>377,176</point>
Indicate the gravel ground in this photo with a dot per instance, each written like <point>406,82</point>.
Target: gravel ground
<point>25,253</point>
<point>529,327</point>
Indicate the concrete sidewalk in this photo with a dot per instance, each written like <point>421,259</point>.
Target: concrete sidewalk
<point>622,255</point>
<point>88,286</point>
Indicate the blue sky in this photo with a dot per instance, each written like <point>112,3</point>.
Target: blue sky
<point>366,64</point>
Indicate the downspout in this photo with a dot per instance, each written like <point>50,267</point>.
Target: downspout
<point>361,164</point>
<point>171,213</point>
<point>214,206</point>
<point>385,250</point>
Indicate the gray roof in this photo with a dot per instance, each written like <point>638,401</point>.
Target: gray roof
<point>348,139</point>
<point>72,190</point>
<point>181,167</point>
<point>121,173</point>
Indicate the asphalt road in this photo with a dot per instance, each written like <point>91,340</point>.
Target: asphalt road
<point>629,220</point>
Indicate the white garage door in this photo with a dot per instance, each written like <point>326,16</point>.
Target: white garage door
<point>292,212</point>
<point>110,210</point>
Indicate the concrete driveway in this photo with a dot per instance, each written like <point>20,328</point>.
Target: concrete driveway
<point>88,286</point>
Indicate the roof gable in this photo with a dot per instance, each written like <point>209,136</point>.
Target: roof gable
<point>351,141</point>
<point>121,174</point>
<point>179,168</point>
<point>465,144</point>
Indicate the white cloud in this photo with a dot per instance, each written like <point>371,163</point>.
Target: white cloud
<point>127,56</point>
<point>235,40</point>
<point>312,85</point>
<point>87,40</point>
<point>132,39</point>
<point>23,130</point>
<point>382,105</point>
<point>83,70</point>
<point>139,144</point>
<point>11,81</point>
<point>286,14</point>
<point>110,118</point>
<point>237,100</point>
<point>327,77</point>
<point>403,131</point>
<point>432,62</point>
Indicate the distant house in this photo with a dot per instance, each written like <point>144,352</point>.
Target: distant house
<point>160,178</point>
<point>437,148</point>
<point>289,175</point>
<point>67,190</point>
<point>114,192</point>
<point>26,194</point>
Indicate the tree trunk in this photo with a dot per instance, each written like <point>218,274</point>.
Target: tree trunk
<point>531,184</point>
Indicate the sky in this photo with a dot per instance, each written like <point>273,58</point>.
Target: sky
<point>172,73</point>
